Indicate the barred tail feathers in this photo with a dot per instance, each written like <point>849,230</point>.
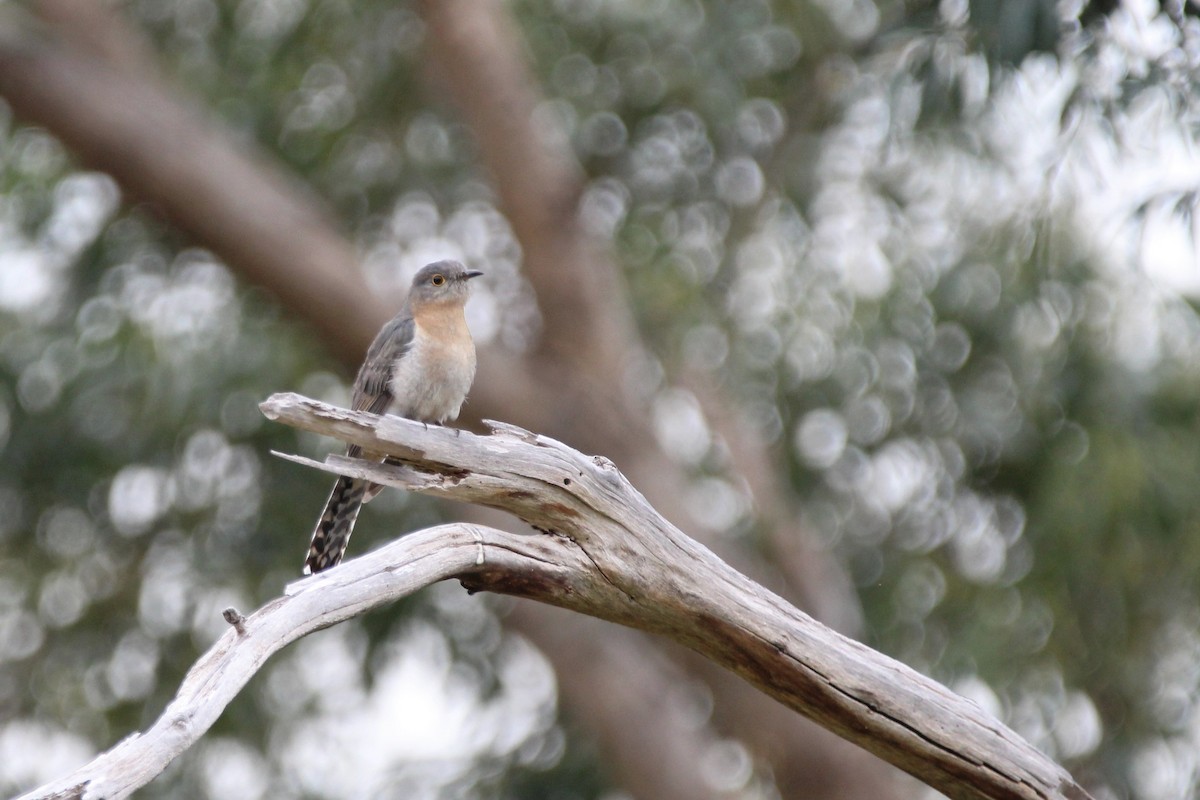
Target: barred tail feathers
<point>333,529</point>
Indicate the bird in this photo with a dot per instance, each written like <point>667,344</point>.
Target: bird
<point>420,366</point>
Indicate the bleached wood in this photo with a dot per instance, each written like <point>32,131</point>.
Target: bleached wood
<point>641,571</point>
<point>376,579</point>
<point>600,549</point>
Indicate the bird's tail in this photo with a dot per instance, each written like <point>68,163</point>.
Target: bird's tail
<point>336,524</point>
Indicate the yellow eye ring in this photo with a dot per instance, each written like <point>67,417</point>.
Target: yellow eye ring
<point>438,280</point>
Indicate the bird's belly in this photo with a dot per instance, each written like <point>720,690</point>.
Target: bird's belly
<point>430,383</point>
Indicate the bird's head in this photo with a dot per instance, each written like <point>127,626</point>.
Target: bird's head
<point>441,282</point>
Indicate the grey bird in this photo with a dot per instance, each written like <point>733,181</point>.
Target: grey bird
<point>420,366</point>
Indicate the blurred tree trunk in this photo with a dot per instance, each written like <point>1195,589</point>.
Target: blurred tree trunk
<point>94,87</point>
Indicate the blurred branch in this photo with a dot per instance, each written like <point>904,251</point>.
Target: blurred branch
<point>480,60</point>
<point>605,552</point>
<point>196,175</point>
<point>98,29</point>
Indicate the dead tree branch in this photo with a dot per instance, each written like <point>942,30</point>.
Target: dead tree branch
<point>384,576</point>
<point>636,569</point>
<point>601,550</point>
<point>94,84</point>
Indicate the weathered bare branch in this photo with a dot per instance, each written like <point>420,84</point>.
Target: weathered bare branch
<point>600,549</point>
<point>108,103</point>
<point>637,569</point>
<point>381,577</point>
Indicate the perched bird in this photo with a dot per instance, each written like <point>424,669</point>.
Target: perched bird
<point>420,366</point>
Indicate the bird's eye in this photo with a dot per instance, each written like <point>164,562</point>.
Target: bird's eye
<point>438,280</point>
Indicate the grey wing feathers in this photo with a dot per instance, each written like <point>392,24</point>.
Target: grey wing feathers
<point>372,391</point>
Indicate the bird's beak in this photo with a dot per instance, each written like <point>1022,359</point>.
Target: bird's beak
<point>472,273</point>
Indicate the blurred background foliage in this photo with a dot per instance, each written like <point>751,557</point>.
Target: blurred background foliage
<point>943,254</point>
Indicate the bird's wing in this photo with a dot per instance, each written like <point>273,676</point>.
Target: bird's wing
<point>372,389</point>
